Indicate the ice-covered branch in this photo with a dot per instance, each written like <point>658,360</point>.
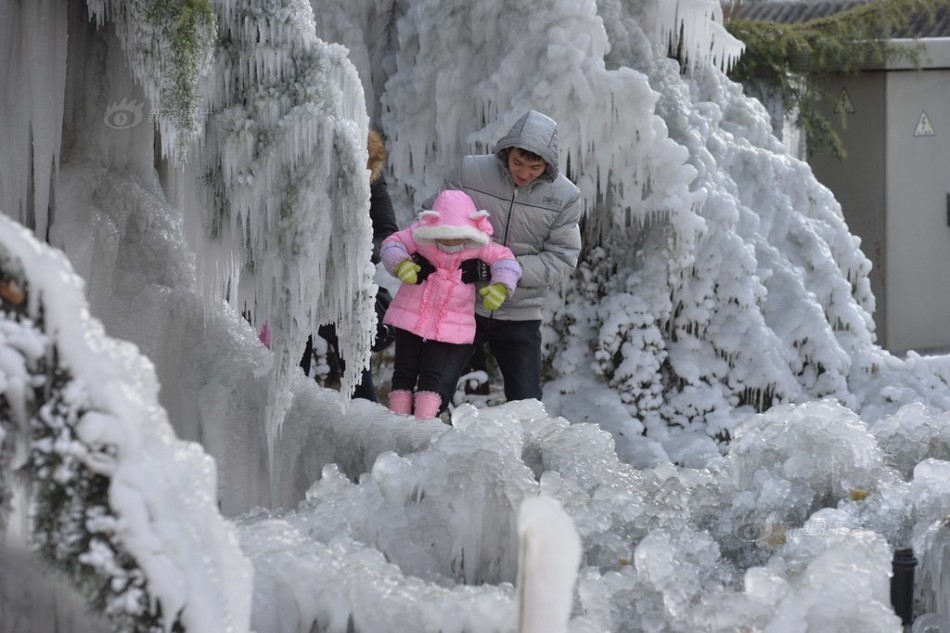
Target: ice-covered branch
<point>169,45</point>
<point>287,226</point>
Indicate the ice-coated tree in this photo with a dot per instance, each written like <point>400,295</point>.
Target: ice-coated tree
<point>743,285</point>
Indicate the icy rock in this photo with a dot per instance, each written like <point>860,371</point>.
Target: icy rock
<point>931,623</point>
<point>843,585</point>
<point>912,434</point>
<point>932,582</point>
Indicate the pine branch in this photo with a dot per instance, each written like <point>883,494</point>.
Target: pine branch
<point>789,60</point>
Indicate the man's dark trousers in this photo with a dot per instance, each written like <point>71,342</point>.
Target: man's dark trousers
<point>516,346</point>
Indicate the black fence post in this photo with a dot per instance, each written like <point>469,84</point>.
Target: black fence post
<point>902,584</point>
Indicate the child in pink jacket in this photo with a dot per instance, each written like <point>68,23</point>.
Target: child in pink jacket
<point>434,310</point>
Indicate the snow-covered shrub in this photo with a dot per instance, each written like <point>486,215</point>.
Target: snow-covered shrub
<point>74,527</point>
<point>631,352</point>
<point>749,290</point>
<point>117,503</point>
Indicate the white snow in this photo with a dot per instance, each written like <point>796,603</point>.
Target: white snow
<point>725,300</point>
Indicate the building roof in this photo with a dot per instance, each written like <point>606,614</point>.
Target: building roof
<point>796,12</point>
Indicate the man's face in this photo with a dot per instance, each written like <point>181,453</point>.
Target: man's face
<point>524,169</point>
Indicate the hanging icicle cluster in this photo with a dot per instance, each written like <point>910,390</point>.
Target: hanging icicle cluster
<point>169,45</point>
<point>33,74</point>
<point>695,30</point>
<point>287,189</point>
<point>284,191</point>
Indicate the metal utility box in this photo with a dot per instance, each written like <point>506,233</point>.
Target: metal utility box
<point>894,189</point>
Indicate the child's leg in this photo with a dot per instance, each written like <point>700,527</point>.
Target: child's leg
<point>435,358</point>
<point>407,360</point>
<point>405,371</point>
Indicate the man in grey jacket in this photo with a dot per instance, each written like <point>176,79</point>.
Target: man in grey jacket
<point>534,210</point>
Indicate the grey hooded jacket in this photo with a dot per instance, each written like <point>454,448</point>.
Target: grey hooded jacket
<point>539,222</point>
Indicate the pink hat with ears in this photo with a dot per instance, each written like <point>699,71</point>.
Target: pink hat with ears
<point>454,216</point>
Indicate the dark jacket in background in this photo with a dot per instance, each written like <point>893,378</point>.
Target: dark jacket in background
<point>380,205</point>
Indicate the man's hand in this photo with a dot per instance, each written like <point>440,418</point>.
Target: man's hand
<point>493,296</point>
<point>408,271</point>
<point>474,271</point>
<point>425,266</point>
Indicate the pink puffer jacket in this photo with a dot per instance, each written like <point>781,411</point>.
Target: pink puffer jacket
<point>442,308</point>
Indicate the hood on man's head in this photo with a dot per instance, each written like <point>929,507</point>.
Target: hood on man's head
<point>454,216</point>
<point>536,133</point>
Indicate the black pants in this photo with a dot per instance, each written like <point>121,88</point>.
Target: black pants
<point>366,389</point>
<point>420,362</point>
<point>516,345</point>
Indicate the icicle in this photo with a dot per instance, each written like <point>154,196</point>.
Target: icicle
<point>33,71</point>
<point>695,27</point>
<point>155,65</point>
<point>292,163</point>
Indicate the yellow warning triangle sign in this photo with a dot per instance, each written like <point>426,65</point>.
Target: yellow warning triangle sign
<point>924,126</point>
<point>844,105</point>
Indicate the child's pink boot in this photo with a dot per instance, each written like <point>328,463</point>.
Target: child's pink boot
<point>427,404</point>
<point>400,401</point>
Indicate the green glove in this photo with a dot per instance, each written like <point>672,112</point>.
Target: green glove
<point>493,296</point>
<point>408,271</point>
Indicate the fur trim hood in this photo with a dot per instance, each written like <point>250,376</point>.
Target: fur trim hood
<point>376,160</point>
<point>454,216</point>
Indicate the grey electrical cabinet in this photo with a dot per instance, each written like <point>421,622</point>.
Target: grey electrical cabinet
<point>894,190</point>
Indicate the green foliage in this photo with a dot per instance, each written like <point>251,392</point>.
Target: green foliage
<point>788,61</point>
<point>188,28</point>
